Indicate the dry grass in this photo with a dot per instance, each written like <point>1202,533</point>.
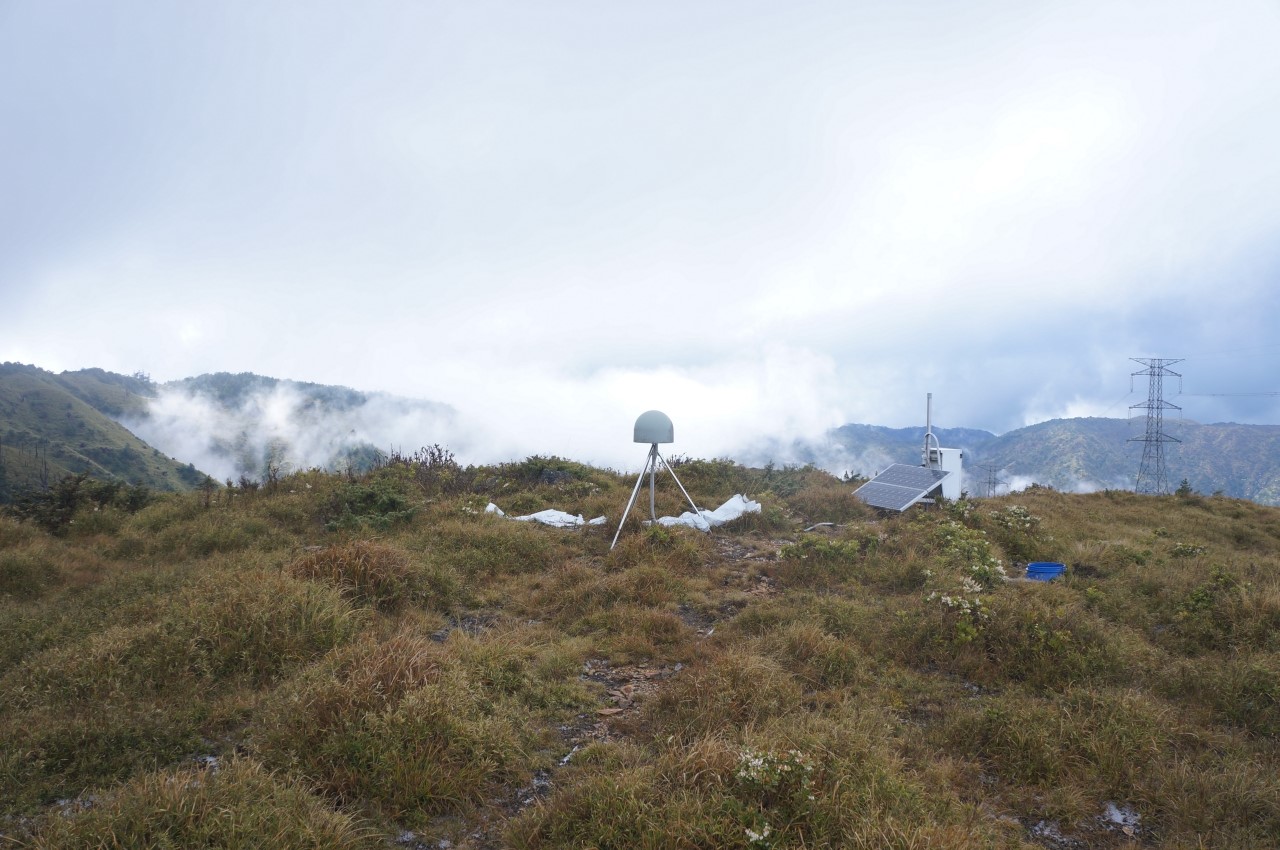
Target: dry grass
<point>384,656</point>
<point>239,805</point>
<point>366,572</point>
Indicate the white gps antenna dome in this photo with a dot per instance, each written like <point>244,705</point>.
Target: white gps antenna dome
<point>654,426</point>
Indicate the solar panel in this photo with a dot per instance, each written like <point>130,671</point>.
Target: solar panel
<point>900,486</point>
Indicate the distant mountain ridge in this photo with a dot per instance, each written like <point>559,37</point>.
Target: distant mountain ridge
<point>167,436</point>
<point>1242,461</point>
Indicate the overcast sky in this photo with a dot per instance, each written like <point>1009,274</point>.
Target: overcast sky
<point>763,218</point>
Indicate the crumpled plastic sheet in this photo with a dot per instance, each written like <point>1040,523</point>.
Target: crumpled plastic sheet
<point>551,517</point>
<point>707,520</point>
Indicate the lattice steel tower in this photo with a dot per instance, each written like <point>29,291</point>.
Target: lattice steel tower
<point>993,477</point>
<point>1151,478</point>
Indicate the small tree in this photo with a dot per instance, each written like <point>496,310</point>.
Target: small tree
<point>208,486</point>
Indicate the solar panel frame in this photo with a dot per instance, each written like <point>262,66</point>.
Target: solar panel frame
<point>900,486</point>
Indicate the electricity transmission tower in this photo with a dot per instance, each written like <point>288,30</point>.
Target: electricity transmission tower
<point>994,481</point>
<point>1151,478</point>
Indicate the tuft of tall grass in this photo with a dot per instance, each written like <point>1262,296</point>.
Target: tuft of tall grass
<point>1243,690</point>
<point>724,689</point>
<point>798,781</point>
<point>367,572</point>
<point>259,624</point>
<point>1103,739</point>
<point>27,572</point>
<point>678,549</point>
<point>237,805</point>
<point>577,590</point>
<point>15,533</point>
<point>1200,799</point>
<point>123,698</point>
<point>822,562</point>
<point>627,613</point>
<point>816,657</point>
<point>483,547</point>
<point>414,727</point>
<point>829,500</point>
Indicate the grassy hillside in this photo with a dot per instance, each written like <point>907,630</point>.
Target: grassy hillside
<point>374,661</point>
<point>52,426</point>
<point>108,392</point>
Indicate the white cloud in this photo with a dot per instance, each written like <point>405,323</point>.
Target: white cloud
<point>548,212</point>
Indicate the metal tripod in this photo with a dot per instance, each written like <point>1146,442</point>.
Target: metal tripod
<point>651,467</point>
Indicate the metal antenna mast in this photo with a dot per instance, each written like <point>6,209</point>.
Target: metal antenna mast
<point>1151,478</point>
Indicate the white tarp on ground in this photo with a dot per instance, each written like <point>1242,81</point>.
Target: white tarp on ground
<point>551,517</point>
<point>729,511</point>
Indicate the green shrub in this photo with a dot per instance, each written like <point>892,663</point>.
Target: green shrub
<point>54,508</point>
<point>1017,531</point>
<point>966,551</point>
<point>378,502</point>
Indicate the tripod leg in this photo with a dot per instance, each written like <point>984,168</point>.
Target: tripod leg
<point>630,502</point>
<point>696,512</point>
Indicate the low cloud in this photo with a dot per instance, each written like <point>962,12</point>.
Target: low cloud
<point>1018,483</point>
<point>283,424</point>
<point>763,405</point>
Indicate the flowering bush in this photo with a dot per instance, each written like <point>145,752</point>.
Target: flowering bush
<point>1186,550</point>
<point>1017,530</point>
<point>968,549</point>
<point>962,509</point>
<point>775,775</point>
<point>777,784</point>
<point>969,614</point>
<point>1016,518</point>
<point>761,838</point>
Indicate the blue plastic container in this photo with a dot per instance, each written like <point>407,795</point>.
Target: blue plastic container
<point>1045,570</point>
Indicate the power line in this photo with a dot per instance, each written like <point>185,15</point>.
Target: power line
<point>1117,402</point>
<point>1228,395</point>
<point>1251,349</point>
<point>1151,477</point>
